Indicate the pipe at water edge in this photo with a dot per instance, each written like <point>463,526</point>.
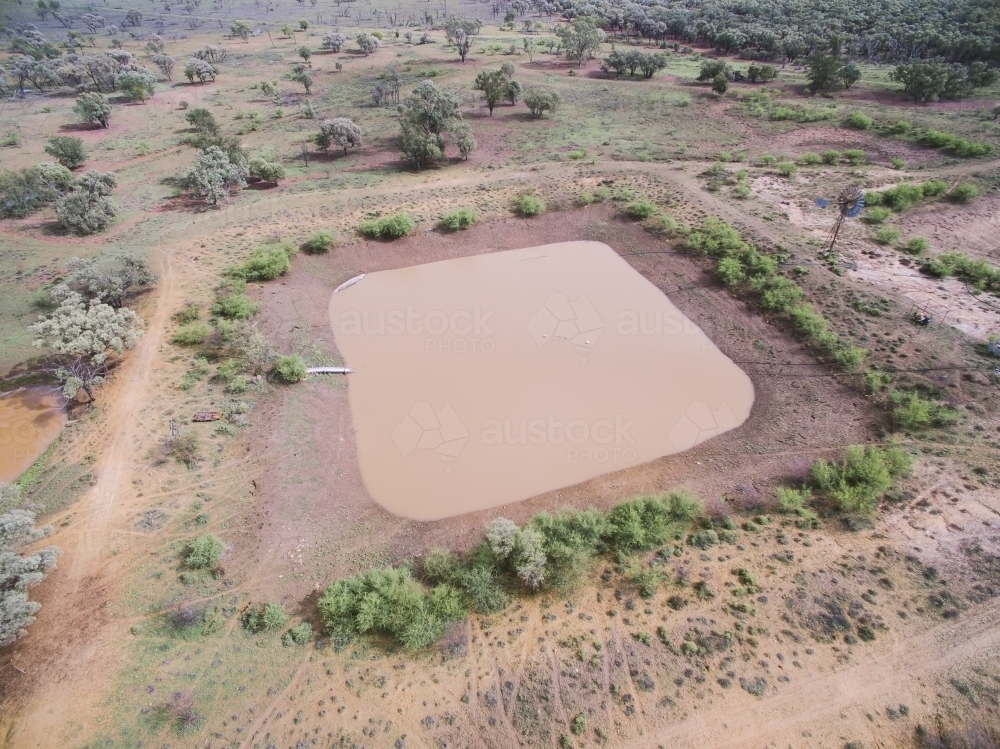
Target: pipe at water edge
<point>328,370</point>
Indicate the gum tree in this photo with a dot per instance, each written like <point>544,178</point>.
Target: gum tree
<point>85,335</point>
<point>91,107</point>
<point>340,132</point>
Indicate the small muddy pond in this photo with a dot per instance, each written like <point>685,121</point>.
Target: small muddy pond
<point>29,421</point>
<point>490,379</point>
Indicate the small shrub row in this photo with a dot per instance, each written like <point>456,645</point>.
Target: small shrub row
<point>550,551</point>
<point>740,262</point>
<point>959,146</point>
<point>976,272</point>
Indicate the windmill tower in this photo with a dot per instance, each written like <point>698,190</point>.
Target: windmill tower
<point>850,203</point>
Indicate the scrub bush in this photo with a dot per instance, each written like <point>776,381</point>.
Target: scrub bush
<point>204,552</point>
<point>461,218</point>
<point>265,264</point>
<point>389,227</point>
<point>640,209</point>
<point>290,368</point>
<point>529,205</point>
<point>320,242</point>
<point>191,334</point>
<point>266,618</point>
<point>859,481</point>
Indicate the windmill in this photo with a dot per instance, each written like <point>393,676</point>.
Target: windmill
<point>850,203</point>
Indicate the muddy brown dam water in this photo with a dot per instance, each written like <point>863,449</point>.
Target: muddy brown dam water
<point>490,379</point>
<point>29,421</point>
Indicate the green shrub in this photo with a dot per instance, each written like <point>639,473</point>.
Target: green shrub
<point>441,566</point>
<point>189,313</point>
<point>897,162</point>
<point>937,139</point>
<point>877,214</point>
<point>236,307</point>
<point>916,245</point>
<point>933,188</point>
<point>299,635</point>
<point>266,618</point>
<point>447,604</point>
<point>964,193</point>
<point>530,205</point>
<point>715,238</point>
<point>855,155</point>
<point>850,357</point>
<point>730,271</point>
<point>887,235</point>
<point>787,169</point>
<point>191,334</point>
<point>640,209</point>
<point>585,198</point>
<point>265,264</point>
<point>902,196</point>
<point>485,593</point>
<point>388,227</point>
<point>67,150</point>
<point>781,294</point>
<point>461,218</point>
<point>969,150</point>
<point>703,539</point>
<point>808,320</point>
<point>320,242</point>
<point>959,146</point>
<point>389,602</point>
<point>290,368</point>
<point>913,413</point>
<point>648,522</point>
<point>576,155</point>
<point>791,500</point>
<point>831,157</point>
<point>900,127</point>
<point>767,159</point>
<point>935,268</point>
<point>809,158</point>
<point>578,726</point>
<point>858,121</point>
<point>856,483</point>
<point>204,552</point>
<point>872,198</point>
<point>876,380</point>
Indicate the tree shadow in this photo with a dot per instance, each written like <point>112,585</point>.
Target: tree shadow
<point>79,127</point>
<point>188,204</point>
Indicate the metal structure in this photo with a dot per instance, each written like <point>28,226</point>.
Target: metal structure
<point>923,315</point>
<point>850,203</point>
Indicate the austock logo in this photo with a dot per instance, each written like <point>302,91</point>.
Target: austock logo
<point>560,319</point>
<point>427,428</point>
